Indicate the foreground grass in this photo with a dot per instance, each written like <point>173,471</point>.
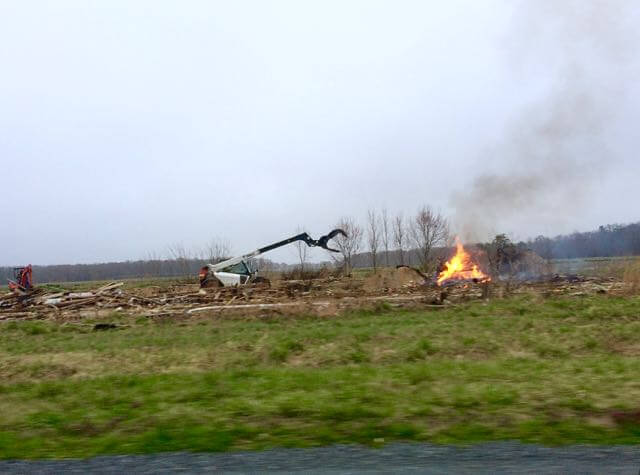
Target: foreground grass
<point>552,371</point>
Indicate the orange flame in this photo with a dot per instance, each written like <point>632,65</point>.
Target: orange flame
<point>461,267</point>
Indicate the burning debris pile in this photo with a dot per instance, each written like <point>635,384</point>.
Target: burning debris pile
<point>499,260</point>
<point>461,268</point>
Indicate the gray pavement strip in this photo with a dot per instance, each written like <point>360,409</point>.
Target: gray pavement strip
<point>498,457</point>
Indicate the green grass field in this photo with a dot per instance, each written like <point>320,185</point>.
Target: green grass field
<point>551,371</point>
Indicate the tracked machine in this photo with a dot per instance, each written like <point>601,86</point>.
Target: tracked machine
<point>237,270</point>
<point>23,282</point>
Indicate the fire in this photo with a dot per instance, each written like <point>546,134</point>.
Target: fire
<point>461,267</point>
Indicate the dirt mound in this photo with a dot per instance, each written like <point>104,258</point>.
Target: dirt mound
<point>534,264</point>
<point>393,279</point>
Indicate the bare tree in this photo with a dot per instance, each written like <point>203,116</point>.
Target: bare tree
<point>373,237</point>
<point>348,245</point>
<point>384,220</point>
<point>217,250</point>
<point>154,264</point>
<point>179,254</point>
<point>302,251</point>
<point>399,236</point>
<point>427,230</point>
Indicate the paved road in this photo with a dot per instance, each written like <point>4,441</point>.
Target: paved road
<point>503,457</point>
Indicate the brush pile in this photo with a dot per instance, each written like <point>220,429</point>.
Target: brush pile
<point>402,287</point>
<point>30,304</point>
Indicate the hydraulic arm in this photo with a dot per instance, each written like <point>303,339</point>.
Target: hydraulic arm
<point>227,278</point>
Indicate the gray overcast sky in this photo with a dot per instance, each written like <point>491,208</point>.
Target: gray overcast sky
<point>126,126</point>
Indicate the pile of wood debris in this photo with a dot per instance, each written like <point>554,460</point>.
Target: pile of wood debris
<point>324,296</point>
<point>37,301</point>
<point>328,296</point>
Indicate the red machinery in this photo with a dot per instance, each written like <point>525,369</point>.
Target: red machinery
<point>23,279</point>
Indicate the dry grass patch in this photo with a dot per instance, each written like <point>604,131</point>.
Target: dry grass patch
<point>631,277</point>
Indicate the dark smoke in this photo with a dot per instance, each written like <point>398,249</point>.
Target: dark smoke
<point>544,171</point>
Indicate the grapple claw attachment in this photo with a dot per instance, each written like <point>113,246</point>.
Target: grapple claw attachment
<point>323,241</point>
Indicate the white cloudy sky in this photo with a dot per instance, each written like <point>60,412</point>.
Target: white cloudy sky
<point>126,126</point>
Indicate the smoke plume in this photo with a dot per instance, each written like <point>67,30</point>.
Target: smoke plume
<point>554,151</point>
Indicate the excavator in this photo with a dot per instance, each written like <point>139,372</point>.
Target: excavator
<point>23,280</point>
<point>237,271</point>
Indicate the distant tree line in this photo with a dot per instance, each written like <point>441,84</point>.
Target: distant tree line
<point>180,262</point>
<point>613,240</point>
<point>418,240</point>
<point>424,239</point>
<point>187,267</point>
<point>110,270</point>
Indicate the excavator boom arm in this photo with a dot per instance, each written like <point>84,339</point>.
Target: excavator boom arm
<point>322,242</point>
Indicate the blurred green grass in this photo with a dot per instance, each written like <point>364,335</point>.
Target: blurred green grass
<point>552,371</point>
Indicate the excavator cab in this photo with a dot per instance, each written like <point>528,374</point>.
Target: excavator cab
<point>235,274</point>
<point>240,268</point>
